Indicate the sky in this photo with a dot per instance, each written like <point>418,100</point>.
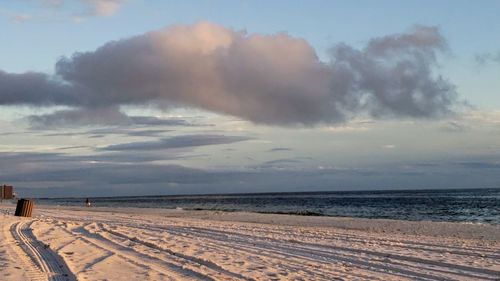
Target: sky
<point>133,97</point>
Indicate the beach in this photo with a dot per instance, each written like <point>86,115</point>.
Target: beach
<point>78,243</point>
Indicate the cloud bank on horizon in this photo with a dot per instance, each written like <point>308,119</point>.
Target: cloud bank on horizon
<point>269,79</point>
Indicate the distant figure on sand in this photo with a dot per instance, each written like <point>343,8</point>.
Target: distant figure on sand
<point>87,202</point>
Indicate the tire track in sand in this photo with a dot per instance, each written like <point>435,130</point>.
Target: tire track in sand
<point>188,261</point>
<point>49,265</point>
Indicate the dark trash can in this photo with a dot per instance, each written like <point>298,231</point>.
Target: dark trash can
<point>24,208</point>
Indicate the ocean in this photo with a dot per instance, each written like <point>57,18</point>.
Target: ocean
<point>453,205</point>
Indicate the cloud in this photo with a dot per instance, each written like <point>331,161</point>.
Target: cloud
<point>57,174</point>
<point>487,57</point>
<point>33,88</point>
<point>72,147</point>
<point>454,127</point>
<point>126,132</point>
<point>277,149</point>
<point>109,115</point>
<point>278,163</point>
<point>388,146</point>
<point>155,121</point>
<point>65,10</point>
<point>101,8</point>
<point>270,79</point>
<point>80,117</point>
<point>114,174</point>
<point>146,133</point>
<point>481,165</point>
<point>52,3</point>
<point>295,163</point>
<point>176,142</point>
<point>282,161</point>
<point>125,173</point>
<point>18,18</point>
<point>28,163</point>
<point>104,8</point>
<point>15,17</point>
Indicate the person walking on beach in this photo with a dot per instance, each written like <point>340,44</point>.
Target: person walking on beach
<point>87,202</point>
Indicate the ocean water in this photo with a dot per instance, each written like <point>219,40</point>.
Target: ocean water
<point>456,205</point>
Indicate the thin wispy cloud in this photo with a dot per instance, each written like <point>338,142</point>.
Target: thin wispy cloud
<point>485,58</point>
<point>62,10</point>
<point>454,127</point>
<point>146,133</point>
<point>85,8</point>
<point>15,17</point>
<point>481,165</point>
<point>177,142</point>
<point>388,146</point>
<point>104,116</point>
<point>155,121</point>
<point>80,118</point>
<point>278,149</point>
<point>103,8</point>
<point>19,18</point>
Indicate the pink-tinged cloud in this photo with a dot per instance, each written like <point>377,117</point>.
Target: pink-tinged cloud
<point>271,79</point>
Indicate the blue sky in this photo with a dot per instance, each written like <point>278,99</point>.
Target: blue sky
<point>196,144</point>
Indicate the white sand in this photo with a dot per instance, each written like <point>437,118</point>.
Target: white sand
<point>153,244</point>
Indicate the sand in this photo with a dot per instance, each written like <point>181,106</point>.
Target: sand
<point>68,243</point>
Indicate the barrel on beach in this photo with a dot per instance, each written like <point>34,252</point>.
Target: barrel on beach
<point>24,208</point>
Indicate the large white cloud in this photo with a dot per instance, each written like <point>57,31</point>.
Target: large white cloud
<point>271,79</point>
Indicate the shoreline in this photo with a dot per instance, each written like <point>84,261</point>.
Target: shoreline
<point>450,205</point>
<point>429,228</point>
<point>299,213</point>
